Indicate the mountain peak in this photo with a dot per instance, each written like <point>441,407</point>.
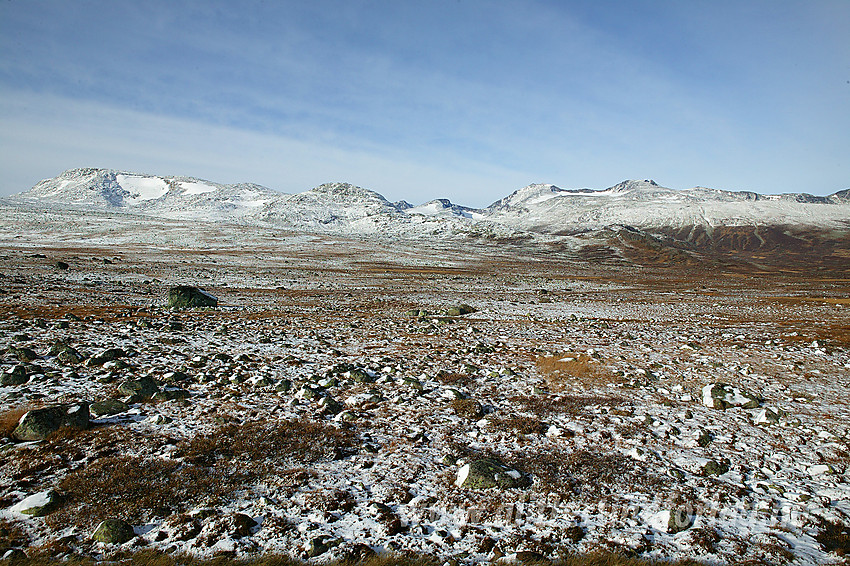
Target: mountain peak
<point>632,185</point>
<point>348,191</point>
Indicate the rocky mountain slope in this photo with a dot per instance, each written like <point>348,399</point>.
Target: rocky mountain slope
<point>633,215</point>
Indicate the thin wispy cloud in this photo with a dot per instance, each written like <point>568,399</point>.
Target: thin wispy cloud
<point>465,99</point>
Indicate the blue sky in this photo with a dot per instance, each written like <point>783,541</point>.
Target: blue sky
<point>461,99</point>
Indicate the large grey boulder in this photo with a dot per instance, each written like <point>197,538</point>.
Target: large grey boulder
<point>39,423</point>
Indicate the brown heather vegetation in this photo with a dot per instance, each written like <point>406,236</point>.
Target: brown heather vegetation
<point>9,420</point>
<point>545,406</point>
<point>207,469</point>
<point>155,558</point>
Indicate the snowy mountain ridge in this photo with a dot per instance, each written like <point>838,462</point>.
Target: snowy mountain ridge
<point>342,207</point>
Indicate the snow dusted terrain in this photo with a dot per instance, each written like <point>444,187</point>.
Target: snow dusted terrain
<point>347,209</point>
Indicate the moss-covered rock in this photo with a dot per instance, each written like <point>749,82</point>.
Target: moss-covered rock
<point>488,473</point>
<point>113,531</point>
<point>187,297</point>
<point>39,423</point>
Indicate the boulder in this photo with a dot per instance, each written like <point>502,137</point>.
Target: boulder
<point>171,395</point>
<point>143,388</point>
<point>39,504</point>
<point>488,473</point>
<point>108,355</point>
<point>459,310</point>
<point>23,354</point>
<point>715,467</point>
<point>17,375</point>
<point>723,396</point>
<point>113,531</point>
<point>769,416</point>
<point>108,407</point>
<point>39,423</point>
<point>187,297</point>
<point>242,524</point>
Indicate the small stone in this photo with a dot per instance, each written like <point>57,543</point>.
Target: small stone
<point>768,416</point>
<point>170,395</point>
<point>360,376</point>
<point>680,520</point>
<point>14,556</point>
<point>242,525</point>
<point>317,546</point>
<point>715,468</point>
<point>159,420</point>
<point>723,396</point>
<point>107,355</point>
<point>17,375</point>
<point>460,310</point>
<point>530,557</point>
<point>452,393</point>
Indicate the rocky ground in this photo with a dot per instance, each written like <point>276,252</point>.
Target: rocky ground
<point>342,399</point>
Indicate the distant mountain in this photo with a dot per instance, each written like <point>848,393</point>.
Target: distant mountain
<point>170,197</point>
<point>442,207</point>
<point>697,218</point>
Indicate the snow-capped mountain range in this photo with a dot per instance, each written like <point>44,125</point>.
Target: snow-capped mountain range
<point>536,209</point>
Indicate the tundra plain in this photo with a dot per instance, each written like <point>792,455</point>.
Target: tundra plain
<point>336,400</point>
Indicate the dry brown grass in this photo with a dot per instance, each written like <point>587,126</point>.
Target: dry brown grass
<point>9,420</point>
<point>520,424</point>
<point>467,408</point>
<point>135,489</point>
<point>561,370</point>
<point>268,445</point>
<point>33,467</point>
<point>156,558</point>
<point>12,535</point>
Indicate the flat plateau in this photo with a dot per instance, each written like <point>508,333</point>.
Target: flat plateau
<point>328,403</point>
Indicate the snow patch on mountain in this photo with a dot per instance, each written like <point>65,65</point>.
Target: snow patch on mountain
<point>142,188</point>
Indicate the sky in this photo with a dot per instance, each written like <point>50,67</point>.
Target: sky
<point>461,99</point>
